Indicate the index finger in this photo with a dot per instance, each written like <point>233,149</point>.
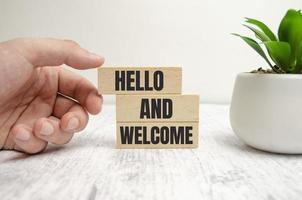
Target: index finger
<point>54,52</point>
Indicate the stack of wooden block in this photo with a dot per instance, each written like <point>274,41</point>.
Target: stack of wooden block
<point>151,111</point>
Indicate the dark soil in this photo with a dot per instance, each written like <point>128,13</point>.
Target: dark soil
<point>275,70</point>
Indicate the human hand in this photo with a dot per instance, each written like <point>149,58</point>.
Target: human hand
<point>41,102</point>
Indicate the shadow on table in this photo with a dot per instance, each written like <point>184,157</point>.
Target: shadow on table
<point>20,155</point>
<point>232,141</point>
<point>76,145</point>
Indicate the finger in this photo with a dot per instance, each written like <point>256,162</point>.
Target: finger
<point>79,88</point>
<point>25,140</point>
<point>62,106</point>
<point>54,52</point>
<point>75,119</point>
<point>48,129</point>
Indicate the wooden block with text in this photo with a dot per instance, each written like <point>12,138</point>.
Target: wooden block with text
<point>146,108</point>
<point>159,135</point>
<point>157,121</point>
<point>139,80</point>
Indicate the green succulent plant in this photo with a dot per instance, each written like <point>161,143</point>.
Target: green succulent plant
<point>285,50</point>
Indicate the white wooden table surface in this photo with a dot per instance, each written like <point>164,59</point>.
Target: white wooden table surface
<point>91,168</point>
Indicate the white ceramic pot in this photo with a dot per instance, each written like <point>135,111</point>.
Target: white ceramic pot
<point>266,111</point>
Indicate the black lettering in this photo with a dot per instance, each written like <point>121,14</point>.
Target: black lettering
<point>138,135</point>
<point>145,141</point>
<point>119,80</point>
<point>158,80</point>
<point>154,135</point>
<point>126,134</point>
<point>138,81</point>
<point>177,135</point>
<point>156,108</point>
<point>167,108</point>
<point>189,134</point>
<point>147,83</point>
<point>145,109</point>
<point>130,80</point>
<point>164,135</point>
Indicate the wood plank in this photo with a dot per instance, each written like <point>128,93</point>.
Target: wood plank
<point>153,108</point>
<point>222,168</point>
<point>139,80</point>
<point>157,135</point>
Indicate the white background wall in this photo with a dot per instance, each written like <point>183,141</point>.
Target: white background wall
<point>194,34</point>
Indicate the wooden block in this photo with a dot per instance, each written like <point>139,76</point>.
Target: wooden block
<point>158,135</point>
<point>153,108</point>
<point>139,80</point>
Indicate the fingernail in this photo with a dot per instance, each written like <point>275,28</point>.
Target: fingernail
<point>73,124</point>
<point>23,135</point>
<point>47,129</point>
<point>95,56</point>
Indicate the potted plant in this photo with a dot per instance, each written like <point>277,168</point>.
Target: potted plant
<point>266,107</point>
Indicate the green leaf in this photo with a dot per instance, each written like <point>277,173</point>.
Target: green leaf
<point>299,58</point>
<point>280,53</point>
<point>263,27</point>
<point>259,34</point>
<point>252,43</point>
<point>290,30</point>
